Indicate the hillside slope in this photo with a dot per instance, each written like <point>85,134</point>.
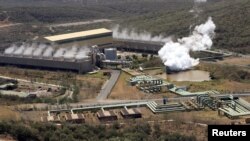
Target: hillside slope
<point>230,16</point>
<point>167,17</point>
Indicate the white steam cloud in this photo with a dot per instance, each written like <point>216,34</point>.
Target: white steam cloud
<point>200,1</point>
<point>196,10</point>
<point>10,50</point>
<point>132,35</point>
<point>176,56</point>
<point>82,53</point>
<point>42,50</point>
<point>60,53</point>
<point>39,50</point>
<point>19,51</point>
<point>29,50</point>
<point>48,52</point>
<point>71,53</point>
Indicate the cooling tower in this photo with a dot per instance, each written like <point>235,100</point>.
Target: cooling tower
<point>48,58</point>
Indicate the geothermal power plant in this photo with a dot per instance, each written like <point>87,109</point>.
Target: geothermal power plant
<point>41,56</point>
<point>83,51</point>
<point>73,51</point>
<point>78,51</point>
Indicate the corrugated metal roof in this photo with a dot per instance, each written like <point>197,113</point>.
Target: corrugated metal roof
<point>77,34</point>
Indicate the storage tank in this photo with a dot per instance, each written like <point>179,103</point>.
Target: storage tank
<point>110,53</point>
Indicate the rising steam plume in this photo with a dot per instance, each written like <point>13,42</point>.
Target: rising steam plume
<point>200,1</point>
<point>196,10</point>
<point>176,56</point>
<point>47,51</point>
<point>127,34</point>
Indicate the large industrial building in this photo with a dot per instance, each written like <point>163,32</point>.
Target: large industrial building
<point>72,51</point>
<point>80,66</point>
<point>78,51</point>
<point>138,46</point>
<point>101,37</point>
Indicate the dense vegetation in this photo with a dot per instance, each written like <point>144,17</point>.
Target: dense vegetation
<point>50,132</point>
<point>226,72</point>
<point>47,11</point>
<point>166,17</point>
<point>146,61</point>
<point>231,18</point>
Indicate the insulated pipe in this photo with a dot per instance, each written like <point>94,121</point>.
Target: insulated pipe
<point>102,109</point>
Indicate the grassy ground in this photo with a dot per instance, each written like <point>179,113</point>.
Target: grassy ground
<point>231,32</point>
<point>8,114</point>
<point>247,99</point>
<point>205,116</point>
<point>229,16</point>
<point>89,84</point>
<point>180,124</point>
<point>236,60</point>
<point>224,86</point>
<point>122,90</point>
<point>221,85</point>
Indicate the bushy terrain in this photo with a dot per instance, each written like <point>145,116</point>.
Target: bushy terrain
<point>36,15</point>
<point>231,18</point>
<point>71,10</point>
<point>166,17</point>
<point>229,72</point>
<point>49,132</point>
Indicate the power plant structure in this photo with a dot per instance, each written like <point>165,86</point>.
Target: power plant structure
<point>77,51</point>
<point>110,53</point>
<point>75,59</point>
<point>101,37</point>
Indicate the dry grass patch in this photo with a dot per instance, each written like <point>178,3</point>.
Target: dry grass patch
<point>8,114</point>
<point>122,90</point>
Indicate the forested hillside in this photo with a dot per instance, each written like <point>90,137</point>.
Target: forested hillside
<point>50,132</point>
<point>166,17</point>
<point>231,18</point>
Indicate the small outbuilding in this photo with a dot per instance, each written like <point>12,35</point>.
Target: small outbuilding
<point>51,118</point>
<point>75,118</point>
<point>104,115</point>
<point>131,113</point>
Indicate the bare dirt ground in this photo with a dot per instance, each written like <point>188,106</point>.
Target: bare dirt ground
<point>122,90</point>
<point>186,123</point>
<point>154,71</point>
<point>133,72</point>
<point>247,98</point>
<point>33,115</point>
<point>236,61</point>
<point>5,137</point>
<point>8,114</point>
<point>205,116</point>
<point>90,87</point>
<point>218,85</point>
<point>90,84</point>
<point>223,86</point>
